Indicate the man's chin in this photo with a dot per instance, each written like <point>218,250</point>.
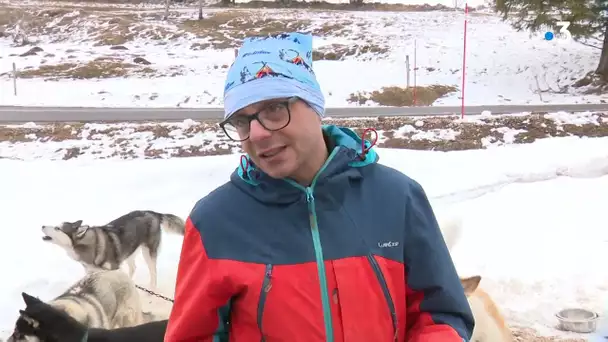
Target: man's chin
<point>276,172</point>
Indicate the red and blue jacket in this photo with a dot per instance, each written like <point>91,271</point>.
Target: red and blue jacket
<point>357,256</point>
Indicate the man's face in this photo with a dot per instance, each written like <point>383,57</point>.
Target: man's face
<point>282,152</point>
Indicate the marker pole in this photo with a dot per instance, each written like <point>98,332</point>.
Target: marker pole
<point>464,59</point>
<point>415,70</point>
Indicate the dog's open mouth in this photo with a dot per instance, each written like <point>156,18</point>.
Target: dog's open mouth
<point>47,238</point>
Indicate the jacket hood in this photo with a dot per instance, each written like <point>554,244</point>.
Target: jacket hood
<point>344,163</point>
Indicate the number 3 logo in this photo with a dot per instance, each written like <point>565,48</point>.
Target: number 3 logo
<point>564,32</point>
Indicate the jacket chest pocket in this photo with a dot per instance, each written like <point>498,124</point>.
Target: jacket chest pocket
<point>366,302</point>
<point>288,307</point>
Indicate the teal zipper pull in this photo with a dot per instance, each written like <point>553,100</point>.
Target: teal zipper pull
<point>309,195</point>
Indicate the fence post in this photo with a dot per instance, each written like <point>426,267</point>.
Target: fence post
<point>14,79</point>
<point>407,68</point>
<point>415,70</point>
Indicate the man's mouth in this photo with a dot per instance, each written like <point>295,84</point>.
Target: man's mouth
<point>47,238</point>
<point>272,152</point>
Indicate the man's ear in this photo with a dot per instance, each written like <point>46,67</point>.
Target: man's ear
<point>29,300</point>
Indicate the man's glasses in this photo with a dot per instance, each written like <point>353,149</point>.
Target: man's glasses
<point>273,117</point>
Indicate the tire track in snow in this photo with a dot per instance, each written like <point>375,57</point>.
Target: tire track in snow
<point>594,168</point>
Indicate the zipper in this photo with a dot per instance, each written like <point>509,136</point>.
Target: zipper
<point>316,241</point>
<point>386,292</point>
<point>266,286</point>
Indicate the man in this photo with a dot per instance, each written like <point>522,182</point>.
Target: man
<point>311,239</point>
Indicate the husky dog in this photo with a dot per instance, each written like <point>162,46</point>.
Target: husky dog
<point>101,299</point>
<point>41,322</point>
<point>108,246</point>
<point>490,325</point>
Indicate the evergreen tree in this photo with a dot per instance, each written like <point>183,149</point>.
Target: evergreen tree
<point>588,21</point>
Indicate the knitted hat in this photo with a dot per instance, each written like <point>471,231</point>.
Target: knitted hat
<point>273,67</point>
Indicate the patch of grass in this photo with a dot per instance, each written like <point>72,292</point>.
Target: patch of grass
<point>226,29</point>
<point>120,30</point>
<point>322,5</point>
<point>403,97</point>
<point>116,31</point>
<point>336,29</point>
<point>336,52</point>
<point>35,22</point>
<point>102,67</point>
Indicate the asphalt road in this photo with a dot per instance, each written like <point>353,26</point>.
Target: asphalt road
<point>74,114</point>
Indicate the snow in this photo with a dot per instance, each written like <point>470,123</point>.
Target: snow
<point>533,215</point>
<point>502,65</point>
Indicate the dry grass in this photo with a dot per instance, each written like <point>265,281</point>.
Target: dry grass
<point>114,27</point>
<point>226,29</point>
<point>120,29</point>
<point>403,97</point>
<point>470,135</point>
<point>37,22</point>
<point>101,67</point>
<point>322,5</point>
<point>337,52</point>
<point>220,29</point>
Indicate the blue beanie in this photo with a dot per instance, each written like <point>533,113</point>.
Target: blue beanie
<point>273,67</point>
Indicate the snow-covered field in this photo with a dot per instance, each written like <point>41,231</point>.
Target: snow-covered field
<point>144,61</point>
<point>534,220</point>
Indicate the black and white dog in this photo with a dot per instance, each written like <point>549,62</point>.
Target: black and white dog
<point>44,323</point>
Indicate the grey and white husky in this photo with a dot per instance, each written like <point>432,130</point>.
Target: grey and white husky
<point>101,299</point>
<point>108,246</point>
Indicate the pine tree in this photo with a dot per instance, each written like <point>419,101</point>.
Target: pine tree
<point>588,21</point>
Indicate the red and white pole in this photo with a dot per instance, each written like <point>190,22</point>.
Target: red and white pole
<point>464,59</point>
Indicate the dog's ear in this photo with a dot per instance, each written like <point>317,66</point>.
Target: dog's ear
<point>30,300</point>
<point>470,284</point>
<point>29,320</point>
<point>77,224</point>
<point>82,230</point>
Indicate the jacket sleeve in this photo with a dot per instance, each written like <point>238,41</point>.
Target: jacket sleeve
<point>201,307</point>
<point>437,308</point>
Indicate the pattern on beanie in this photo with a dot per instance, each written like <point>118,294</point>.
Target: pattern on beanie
<point>287,55</point>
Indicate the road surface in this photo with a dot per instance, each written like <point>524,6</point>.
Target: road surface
<point>74,114</point>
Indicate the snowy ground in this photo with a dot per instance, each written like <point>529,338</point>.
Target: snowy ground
<point>534,262</point>
<point>188,60</point>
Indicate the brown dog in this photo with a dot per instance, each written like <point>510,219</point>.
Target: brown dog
<point>490,325</point>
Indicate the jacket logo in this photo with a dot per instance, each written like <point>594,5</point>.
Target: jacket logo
<point>388,244</point>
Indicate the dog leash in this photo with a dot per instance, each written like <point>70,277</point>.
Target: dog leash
<point>152,293</point>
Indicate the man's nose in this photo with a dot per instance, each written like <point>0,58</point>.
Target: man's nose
<point>257,132</point>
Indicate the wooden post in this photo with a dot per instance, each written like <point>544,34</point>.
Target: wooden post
<point>14,79</point>
<point>407,68</point>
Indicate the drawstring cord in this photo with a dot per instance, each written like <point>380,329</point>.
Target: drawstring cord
<point>364,148</point>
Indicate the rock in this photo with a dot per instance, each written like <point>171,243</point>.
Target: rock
<point>141,60</point>
<point>118,47</point>
<point>31,52</point>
